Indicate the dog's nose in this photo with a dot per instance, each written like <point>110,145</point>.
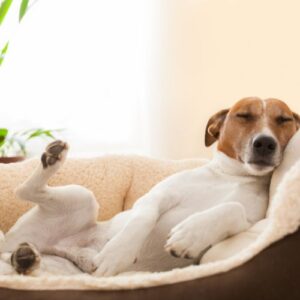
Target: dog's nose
<point>264,145</point>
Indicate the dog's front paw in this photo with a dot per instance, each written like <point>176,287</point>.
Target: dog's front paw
<point>185,242</point>
<point>55,151</point>
<point>114,259</point>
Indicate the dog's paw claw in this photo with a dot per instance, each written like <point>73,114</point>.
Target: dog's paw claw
<point>188,256</point>
<point>174,253</point>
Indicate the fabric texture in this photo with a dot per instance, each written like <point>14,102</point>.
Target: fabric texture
<point>117,181</point>
<point>270,275</point>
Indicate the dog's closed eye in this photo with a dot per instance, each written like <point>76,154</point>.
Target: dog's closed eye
<point>245,116</point>
<point>282,119</point>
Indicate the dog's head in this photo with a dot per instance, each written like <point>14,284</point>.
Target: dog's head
<point>254,132</point>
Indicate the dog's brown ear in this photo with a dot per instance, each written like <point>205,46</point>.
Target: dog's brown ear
<point>213,127</point>
<point>297,119</point>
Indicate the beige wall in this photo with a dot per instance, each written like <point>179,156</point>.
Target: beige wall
<point>213,53</point>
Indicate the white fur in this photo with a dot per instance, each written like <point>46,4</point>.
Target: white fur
<point>266,131</point>
<point>283,219</point>
<point>196,208</point>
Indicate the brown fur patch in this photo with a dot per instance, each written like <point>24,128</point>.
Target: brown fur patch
<point>234,128</point>
<point>213,127</point>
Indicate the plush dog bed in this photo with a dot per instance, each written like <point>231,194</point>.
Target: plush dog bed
<point>242,267</point>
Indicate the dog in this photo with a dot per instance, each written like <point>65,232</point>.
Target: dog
<point>174,223</point>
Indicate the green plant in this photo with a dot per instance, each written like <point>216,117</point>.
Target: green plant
<point>15,143</point>
<point>4,9</point>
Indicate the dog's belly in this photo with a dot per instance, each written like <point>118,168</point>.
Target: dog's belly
<point>196,198</point>
<point>153,257</point>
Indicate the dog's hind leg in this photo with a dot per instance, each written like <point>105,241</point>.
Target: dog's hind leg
<point>35,188</point>
<point>61,212</point>
<point>80,257</point>
<point>76,204</point>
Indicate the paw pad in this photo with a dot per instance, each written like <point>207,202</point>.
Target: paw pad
<point>53,153</point>
<point>25,259</point>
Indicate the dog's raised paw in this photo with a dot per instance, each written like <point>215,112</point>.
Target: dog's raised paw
<point>55,152</point>
<point>184,242</point>
<point>25,259</point>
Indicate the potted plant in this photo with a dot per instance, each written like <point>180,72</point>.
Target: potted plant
<point>13,146</point>
<point>5,7</point>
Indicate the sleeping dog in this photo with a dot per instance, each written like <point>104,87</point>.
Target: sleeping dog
<point>177,220</point>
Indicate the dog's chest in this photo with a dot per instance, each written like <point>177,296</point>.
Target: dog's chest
<point>198,191</point>
<point>195,192</point>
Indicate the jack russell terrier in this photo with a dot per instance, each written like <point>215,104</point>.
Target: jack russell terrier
<point>183,215</point>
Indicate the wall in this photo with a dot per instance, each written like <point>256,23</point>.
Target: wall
<point>212,53</point>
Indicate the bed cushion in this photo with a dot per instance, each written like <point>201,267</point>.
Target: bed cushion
<point>271,275</point>
<point>290,158</point>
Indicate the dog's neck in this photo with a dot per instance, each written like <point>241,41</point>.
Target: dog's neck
<point>233,167</point>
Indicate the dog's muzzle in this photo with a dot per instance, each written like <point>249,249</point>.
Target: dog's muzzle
<point>264,149</point>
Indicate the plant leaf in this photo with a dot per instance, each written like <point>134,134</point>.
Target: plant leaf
<point>3,135</point>
<point>49,134</point>
<point>23,9</point>
<point>4,7</point>
<point>3,52</point>
<point>40,132</point>
<point>35,133</point>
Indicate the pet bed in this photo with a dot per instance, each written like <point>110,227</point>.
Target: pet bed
<point>262,263</point>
